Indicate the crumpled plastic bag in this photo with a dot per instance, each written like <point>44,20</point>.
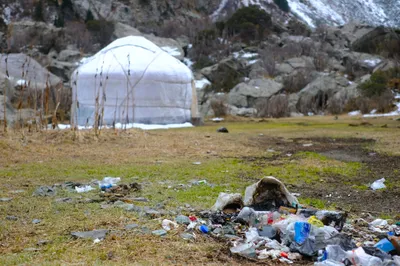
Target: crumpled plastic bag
<point>378,184</point>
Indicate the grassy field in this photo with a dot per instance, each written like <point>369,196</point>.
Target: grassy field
<point>345,156</point>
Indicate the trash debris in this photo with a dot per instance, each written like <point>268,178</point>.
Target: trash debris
<point>228,202</point>
<point>217,119</point>
<point>378,184</point>
<point>204,229</point>
<point>182,219</point>
<point>131,226</point>
<point>160,232</point>
<point>119,192</point>
<point>269,194</point>
<point>166,224</point>
<point>12,218</point>
<point>196,163</point>
<point>45,191</point>
<point>308,145</point>
<point>96,241</point>
<point>222,130</point>
<point>108,182</point>
<point>5,199</point>
<point>95,234</point>
<point>83,189</point>
<point>36,221</point>
<point>188,236</point>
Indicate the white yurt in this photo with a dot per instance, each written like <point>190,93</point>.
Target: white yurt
<point>132,80</point>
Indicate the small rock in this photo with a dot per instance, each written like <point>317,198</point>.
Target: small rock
<point>5,199</point>
<point>17,191</point>
<point>67,200</point>
<point>182,219</point>
<point>161,232</point>
<point>45,191</point>
<point>140,199</point>
<point>187,236</point>
<point>32,249</point>
<point>43,242</point>
<point>187,205</point>
<point>152,213</point>
<point>12,218</point>
<point>100,234</point>
<point>131,226</point>
<point>144,230</point>
<point>36,221</point>
<point>222,130</point>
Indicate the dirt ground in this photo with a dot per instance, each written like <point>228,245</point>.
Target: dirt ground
<point>330,162</point>
<point>375,166</point>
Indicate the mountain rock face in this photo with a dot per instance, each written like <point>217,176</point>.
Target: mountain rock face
<point>339,12</point>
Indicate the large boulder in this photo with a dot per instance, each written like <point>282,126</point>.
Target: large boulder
<point>226,74</point>
<point>315,96</point>
<point>169,45</point>
<point>245,95</point>
<point>27,80</point>
<point>105,9</point>
<point>337,103</point>
<point>372,41</point>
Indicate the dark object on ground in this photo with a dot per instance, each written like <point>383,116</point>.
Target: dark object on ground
<point>331,218</point>
<point>12,218</point>
<point>222,130</point>
<point>376,252</point>
<point>308,247</point>
<point>45,191</point>
<point>118,192</point>
<point>344,241</point>
<point>95,234</point>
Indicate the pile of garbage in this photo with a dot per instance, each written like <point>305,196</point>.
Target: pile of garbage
<point>269,224</point>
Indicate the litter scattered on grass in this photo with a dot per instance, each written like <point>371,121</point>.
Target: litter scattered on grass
<point>378,184</point>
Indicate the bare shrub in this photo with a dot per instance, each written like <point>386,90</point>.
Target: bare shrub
<point>276,106</point>
<point>171,29</point>
<point>219,107</point>
<point>297,81</point>
<point>335,106</point>
<point>77,33</point>
<point>381,103</point>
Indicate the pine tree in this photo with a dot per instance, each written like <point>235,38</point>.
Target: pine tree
<point>39,12</point>
<point>283,5</point>
<point>89,16</point>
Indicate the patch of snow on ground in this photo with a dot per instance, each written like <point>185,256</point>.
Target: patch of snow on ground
<point>372,62</point>
<point>217,119</point>
<point>21,82</point>
<point>249,55</point>
<point>393,113</point>
<point>7,15</point>
<point>188,62</point>
<point>200,84</point>
<point>173,51</point>
<point>133,125</point>
<point>354,113</point>
<point>251,62</point>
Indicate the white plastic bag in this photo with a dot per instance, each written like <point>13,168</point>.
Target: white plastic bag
<point>378,184</point>
<point>167,224</point>
<point>83,189</point>
<point>252,235</point>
